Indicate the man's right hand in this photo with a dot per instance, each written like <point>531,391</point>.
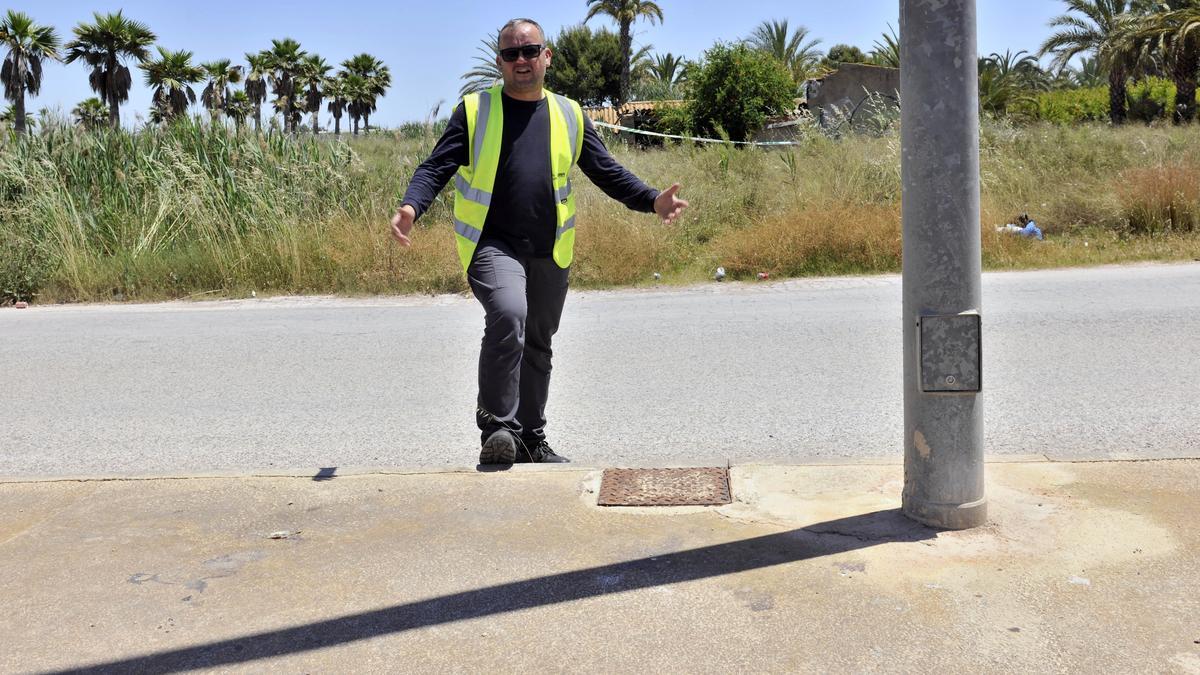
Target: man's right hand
<point>402,224</point>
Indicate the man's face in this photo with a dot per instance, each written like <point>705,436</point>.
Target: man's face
<point>525,75</point>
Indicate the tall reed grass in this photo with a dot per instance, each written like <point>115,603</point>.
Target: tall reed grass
<point>194,209</point>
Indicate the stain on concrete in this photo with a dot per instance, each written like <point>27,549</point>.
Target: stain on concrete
<point>762,605</point>
<point>234,561</point>
<point>923,448</point>
<point>224,566</point>
<point>755,599</point>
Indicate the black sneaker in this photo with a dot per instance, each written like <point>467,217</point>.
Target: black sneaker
<point>540,453</point>
<point>499,448</point>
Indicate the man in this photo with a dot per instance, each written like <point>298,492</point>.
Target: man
<point>510,150</point>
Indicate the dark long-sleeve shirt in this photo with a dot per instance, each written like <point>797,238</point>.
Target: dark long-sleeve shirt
<point>522,212</point>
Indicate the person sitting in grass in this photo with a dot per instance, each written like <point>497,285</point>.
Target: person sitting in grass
<point>1024,227</point>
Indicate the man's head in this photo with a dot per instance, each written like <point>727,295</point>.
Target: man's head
<point>523,58</point>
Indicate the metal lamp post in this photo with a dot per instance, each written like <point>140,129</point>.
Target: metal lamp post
<point>943,400</point>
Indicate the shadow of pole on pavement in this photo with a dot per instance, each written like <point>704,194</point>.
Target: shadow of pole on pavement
<point>821,539</point>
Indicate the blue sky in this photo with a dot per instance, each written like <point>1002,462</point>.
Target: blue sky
<point>428,45</point>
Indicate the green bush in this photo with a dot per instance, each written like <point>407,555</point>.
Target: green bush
<point>419,130</point>
<point>1150,99</point>
<point>1069,106</point>
<point>736,89</point>
<point>673,119</point>
<point>24,269</point>
<point>586,66</point>
<point>663,118</point>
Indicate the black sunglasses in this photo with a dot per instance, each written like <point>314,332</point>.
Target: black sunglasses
<point>530,52</point>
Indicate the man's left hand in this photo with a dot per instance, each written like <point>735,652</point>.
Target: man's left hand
<point>667,205</point>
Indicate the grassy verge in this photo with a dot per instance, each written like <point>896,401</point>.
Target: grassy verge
<point>191,210</point>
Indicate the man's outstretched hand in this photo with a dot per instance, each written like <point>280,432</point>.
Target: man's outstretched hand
<point>402,224</point>
<point>667,205</point>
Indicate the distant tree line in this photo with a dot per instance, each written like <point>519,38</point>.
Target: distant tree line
<point>293,81</point>
<point>1094,43</point>
<point>1114,43</point>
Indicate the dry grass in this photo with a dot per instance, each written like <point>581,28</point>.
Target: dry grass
<point>1160,198</point>
<point>821,238</point>
<point>612,252</point>
<point>167,214</point>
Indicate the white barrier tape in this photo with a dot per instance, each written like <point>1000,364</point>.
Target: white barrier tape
<point>688,138</point>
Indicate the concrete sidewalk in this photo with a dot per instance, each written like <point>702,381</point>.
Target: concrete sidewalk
<point>1084,567</point>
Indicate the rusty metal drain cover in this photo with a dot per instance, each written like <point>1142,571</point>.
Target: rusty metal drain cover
<point>664,487</point>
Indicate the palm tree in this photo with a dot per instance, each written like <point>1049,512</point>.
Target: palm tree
<point>91,113</point>
<point>639,64</point>
<point>1007,79</point>
<point>1100,27</point>
<point>256,83</point>
<point>377,79</point>
<point>285,57</point>
<point>1088,74</point>
<point>625,12</point>
<point>887,53</point>
<point>171,75</point>
<point>335,92</point>
<point>1022,67</point>
<point>314,72</point>
<point>662,78</point>
<point>791,50</point>
<point>1174,32</point>
<point>28,45</point>
<point>668,68</point>
<point>221,73</point>
<point>9,116</point>
<point>357,92</point>
<point>486,73</point>
<point>239,107</point>
<point>104,45</point>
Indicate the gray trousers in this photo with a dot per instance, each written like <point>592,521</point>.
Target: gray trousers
<point>522,300</point>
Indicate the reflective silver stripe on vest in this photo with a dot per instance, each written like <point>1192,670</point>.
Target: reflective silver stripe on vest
<point>474,194</point>
<point>570,224</point>
<point>467,231</point>
<point>481,120</point>
<point>572,123</point>
<point>561,194</point>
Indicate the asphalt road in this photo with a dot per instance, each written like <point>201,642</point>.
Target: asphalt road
<point>1078,363</point>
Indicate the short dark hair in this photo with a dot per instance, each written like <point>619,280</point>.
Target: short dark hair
<point>513,23</point>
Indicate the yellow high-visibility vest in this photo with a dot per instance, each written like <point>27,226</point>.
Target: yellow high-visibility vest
<point>473,183</point>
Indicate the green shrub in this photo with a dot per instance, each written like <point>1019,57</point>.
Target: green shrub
<point>411,130</point>
<point>664,118</point>
<point>1150,99</point>
<point>736,89</point>
<point>419,130</point>
<point>587,65</point>
<point>24,269</point>
<point>1069,106</point>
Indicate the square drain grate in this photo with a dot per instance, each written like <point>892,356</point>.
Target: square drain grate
<point>664,487</point>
